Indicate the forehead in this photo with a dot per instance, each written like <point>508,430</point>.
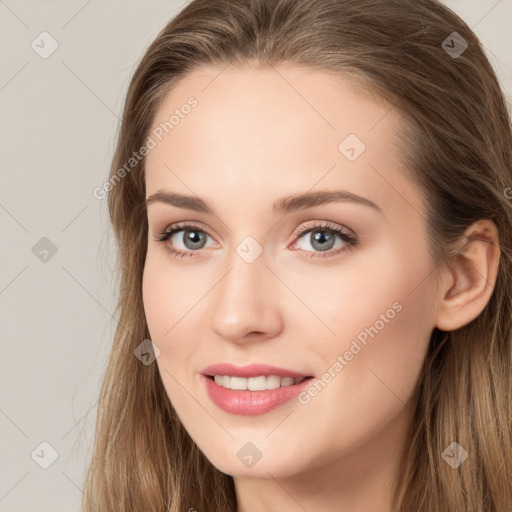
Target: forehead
<point>275,131</point>
<point>281,106</point>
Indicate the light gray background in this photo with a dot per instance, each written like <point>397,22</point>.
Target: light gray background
<point>59,121</point>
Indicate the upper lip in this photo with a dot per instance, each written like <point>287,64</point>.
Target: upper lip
<point>251,370</point>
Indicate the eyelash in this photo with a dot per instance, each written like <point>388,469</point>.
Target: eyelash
<point>350,240</point>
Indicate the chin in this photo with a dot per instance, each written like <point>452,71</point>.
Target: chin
<point>238,464</point>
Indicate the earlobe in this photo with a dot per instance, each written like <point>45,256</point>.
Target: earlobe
<point>472,277</point>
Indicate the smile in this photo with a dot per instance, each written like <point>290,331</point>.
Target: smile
<point>260,383</point>
<point>252,389</point>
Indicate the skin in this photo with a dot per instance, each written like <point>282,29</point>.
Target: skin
<point>258,135</point>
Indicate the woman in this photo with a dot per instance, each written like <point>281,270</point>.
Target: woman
<point>253,369</point>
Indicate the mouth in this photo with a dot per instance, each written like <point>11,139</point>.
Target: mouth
<point>253,389</point>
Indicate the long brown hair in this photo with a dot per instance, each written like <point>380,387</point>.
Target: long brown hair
<point>457,144</point>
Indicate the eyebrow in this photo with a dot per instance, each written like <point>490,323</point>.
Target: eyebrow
<point>281,206</point>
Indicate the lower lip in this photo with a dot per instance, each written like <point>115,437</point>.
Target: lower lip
<point>251,403</point>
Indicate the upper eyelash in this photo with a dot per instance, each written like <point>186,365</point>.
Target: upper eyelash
<point>348,238</point>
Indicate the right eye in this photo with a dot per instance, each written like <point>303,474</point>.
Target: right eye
<point>192,234</point>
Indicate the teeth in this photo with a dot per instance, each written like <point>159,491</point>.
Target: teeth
<point>260,383</point>
<point>255,383</point>
<point>273,382</point>
<point>238,383</point>
<point>287,381</point>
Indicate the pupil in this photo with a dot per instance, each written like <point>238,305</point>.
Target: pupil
<point>322,236</point>
<point>195,237</point>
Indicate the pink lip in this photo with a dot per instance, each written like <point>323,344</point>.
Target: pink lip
<point>251,370</point>
<point>251,403</point>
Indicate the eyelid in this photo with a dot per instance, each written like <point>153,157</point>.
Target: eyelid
<point>182,226</point>
<point>327,225</point>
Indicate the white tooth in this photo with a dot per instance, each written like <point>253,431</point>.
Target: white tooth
<point>257,383</point>
<point>238,383</point>
<point>273,382</point>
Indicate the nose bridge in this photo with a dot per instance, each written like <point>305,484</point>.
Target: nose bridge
<point>244,302</point>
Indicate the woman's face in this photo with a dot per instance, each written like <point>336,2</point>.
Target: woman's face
<point>267,280</point>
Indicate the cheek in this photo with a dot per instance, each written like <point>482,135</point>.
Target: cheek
<point>168,295</point>
<point>155,299</point>
<point>366,289</point>
<point>174,302</point>
<point>163,309</point>
<point>379,314</point>
<point>369,370</point>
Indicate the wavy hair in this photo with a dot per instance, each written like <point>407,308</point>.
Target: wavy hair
<point>457,143</point>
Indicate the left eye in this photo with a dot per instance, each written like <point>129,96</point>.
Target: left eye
<point>324,239</point>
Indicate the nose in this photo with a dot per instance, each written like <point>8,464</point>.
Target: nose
<point>245,305</point>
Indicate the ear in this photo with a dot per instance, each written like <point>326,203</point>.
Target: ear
<point>470,280</point>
